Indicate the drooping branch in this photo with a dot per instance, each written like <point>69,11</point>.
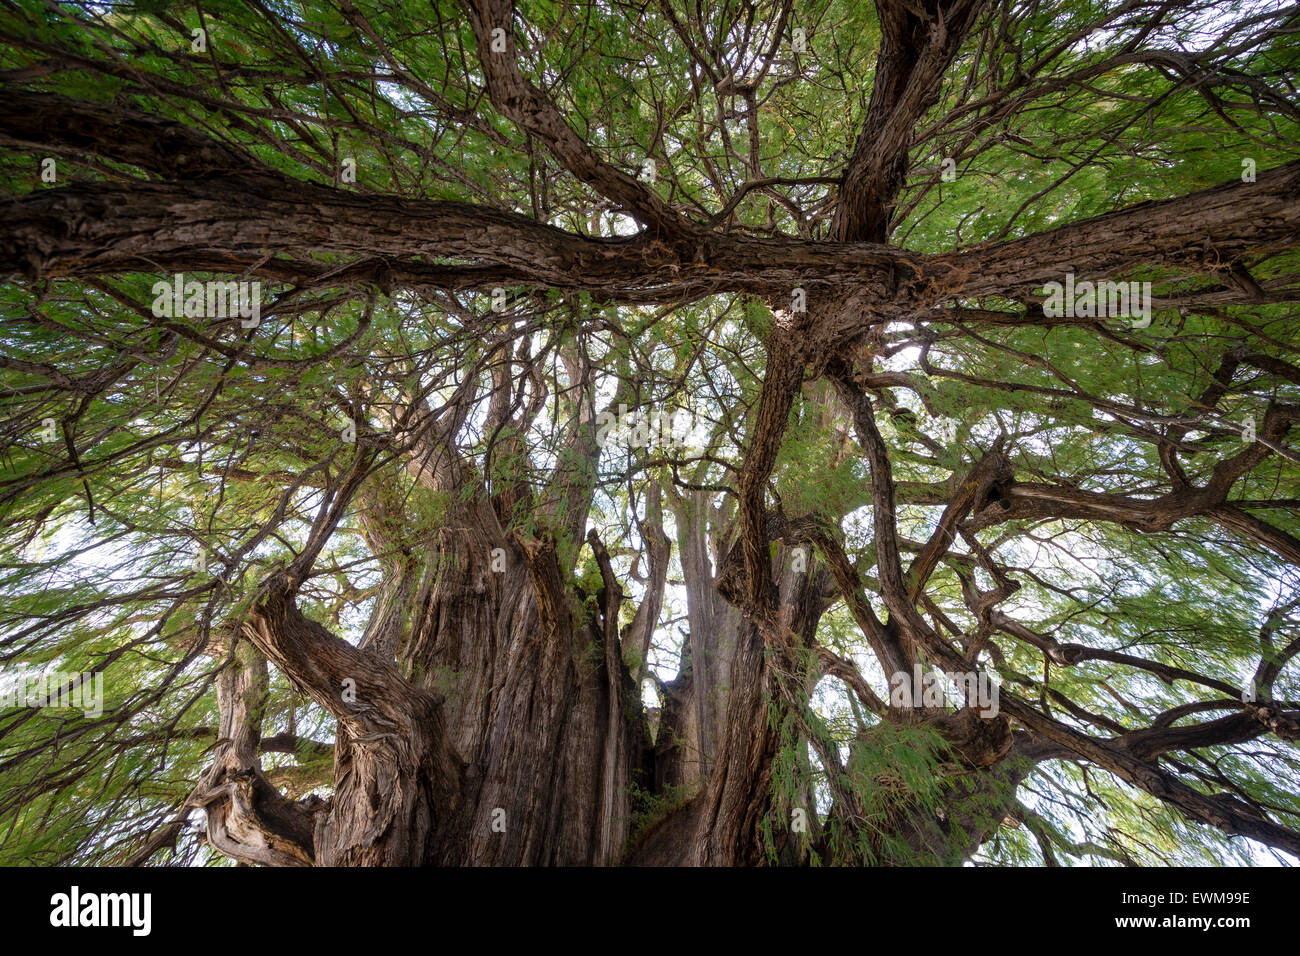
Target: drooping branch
<point>1222,812</point>
<point>1034,500</point>
<point>894,656</point>
<point>638,634</point>
<point>970,493</point>
<point>893,586</point>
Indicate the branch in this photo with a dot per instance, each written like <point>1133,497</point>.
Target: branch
<point>971,492</point>
<point>916,48</point>
<point>170,149</point>
<point>1222,812</point>
<point>527,106</point>
<point>1204,230</point>
<point>248,819</point>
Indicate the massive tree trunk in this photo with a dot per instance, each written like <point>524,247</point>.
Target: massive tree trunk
<point>519,749</point>
<point>686,743</point>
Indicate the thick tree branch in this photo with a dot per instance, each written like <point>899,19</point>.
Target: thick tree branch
<point>248,819</point>
<point>170,149</point>
<point>517,98</point>
<point>918,43</point>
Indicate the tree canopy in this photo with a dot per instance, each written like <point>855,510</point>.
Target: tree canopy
<point>632,392</point>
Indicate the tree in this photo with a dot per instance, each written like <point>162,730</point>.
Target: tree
<point>590,433</point>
